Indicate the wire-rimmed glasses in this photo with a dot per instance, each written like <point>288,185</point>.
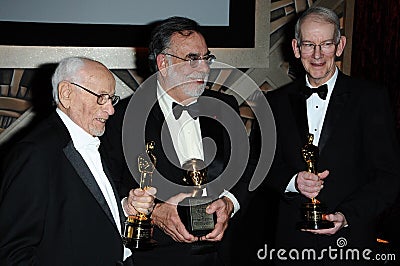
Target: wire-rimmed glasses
<point>326,47</point>
<point>194,59</point>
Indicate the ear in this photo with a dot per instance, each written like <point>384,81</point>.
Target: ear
<point>64,94</point>
<point>295,48</point>
<point>340,46</point>
<point>162,64</point>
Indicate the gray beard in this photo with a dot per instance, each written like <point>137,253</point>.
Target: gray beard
<point>194,92</point>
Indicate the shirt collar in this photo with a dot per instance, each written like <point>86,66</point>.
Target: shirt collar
<point>165,100</point>
<point>331,82</point>
<point>80,137</point>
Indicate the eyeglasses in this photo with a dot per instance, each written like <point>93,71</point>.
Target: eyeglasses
<point>101,98</point>
<point>326,47</point>
<point>195,59</point>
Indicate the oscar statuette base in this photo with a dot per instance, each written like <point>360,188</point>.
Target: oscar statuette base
<point>315,225</point>
<point>138,233</point>
<point>313,217</point>
<point>193,215</point>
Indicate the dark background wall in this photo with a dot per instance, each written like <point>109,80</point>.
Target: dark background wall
<point>376,45</point>
<point>376,57</point>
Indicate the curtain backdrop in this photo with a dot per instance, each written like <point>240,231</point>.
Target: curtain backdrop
<point>376,46</point>
<point>376,56</point>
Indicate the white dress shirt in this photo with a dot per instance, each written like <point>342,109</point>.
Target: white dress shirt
<point>87,146</point>
<point>186,136</point>
<point>316,111</point>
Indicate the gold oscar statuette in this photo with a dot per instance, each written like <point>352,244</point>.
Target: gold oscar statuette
<point>313,212</point>
<point>192,210</point>
<point>138,231</point>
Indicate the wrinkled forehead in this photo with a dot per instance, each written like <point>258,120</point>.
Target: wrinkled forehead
<point>94,72</point>
<point>317,19</point>
<point>316,25</point>
<point>188,42</point>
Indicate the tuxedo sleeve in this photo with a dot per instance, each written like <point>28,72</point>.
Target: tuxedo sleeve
<point>380,149</point>
<point>23,203</point>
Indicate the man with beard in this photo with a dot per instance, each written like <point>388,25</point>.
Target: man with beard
<point>179,52</point>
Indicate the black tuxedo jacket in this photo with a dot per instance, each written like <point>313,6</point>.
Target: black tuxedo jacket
<point>357,145</point>
<point>52,212</point>
<point>168,167</point>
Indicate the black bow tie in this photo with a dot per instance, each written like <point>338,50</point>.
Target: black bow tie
<point>192,109</point>
<point>322,91</point>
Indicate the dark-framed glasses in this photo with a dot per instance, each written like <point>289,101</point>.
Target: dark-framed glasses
<point>101,98</point>
<point>194,59</point>
<point>326,47</point>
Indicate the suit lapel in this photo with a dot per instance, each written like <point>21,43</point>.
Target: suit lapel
<point>161,135</point>
<point>299,109</point>
<point>338,100</point>
<point>167,158</point>
<point>87,177</point>
<point>120,211</point>
<point>206,127</point>
<point>214,157</point>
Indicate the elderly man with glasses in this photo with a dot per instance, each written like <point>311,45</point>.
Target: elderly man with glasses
<point>357,172</point>
<point>181,117</point>
<point>58,203</point>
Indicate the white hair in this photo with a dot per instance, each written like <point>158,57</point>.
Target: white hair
<point>67,69</point>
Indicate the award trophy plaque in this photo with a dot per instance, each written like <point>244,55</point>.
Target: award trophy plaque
<point>313,212</point>
<point>138,230</point>
<point>192,210</point>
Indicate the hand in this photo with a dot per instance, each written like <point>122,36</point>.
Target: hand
<point>140,201</point>
<point>338,219</point>
<point>310,184</point>
<point>223,208</point>
<point>166,217</point>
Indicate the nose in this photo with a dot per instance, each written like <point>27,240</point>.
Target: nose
<point>317,51</point>
<point>203,66</point>
<point>109,108</point>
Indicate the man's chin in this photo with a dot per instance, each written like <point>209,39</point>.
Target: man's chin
<point>98,132</point>
<point>195,92</point>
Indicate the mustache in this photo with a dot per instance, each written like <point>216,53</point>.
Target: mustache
<point>203,76</point>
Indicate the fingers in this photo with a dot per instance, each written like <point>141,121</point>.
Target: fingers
<point>151,191</point>
<point>338,220</point>
<point>323,175</point>
<point>142,201</point>
<point>177,231</point>
<point>214,206</point>
<point>310,184</point>
<point>222,208</point>
<point>166,217</point>
<point>216,234</point>
<point>223,205</point>
<point>178,198</point>
<point>330,231</point>
<point>181,232</point>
